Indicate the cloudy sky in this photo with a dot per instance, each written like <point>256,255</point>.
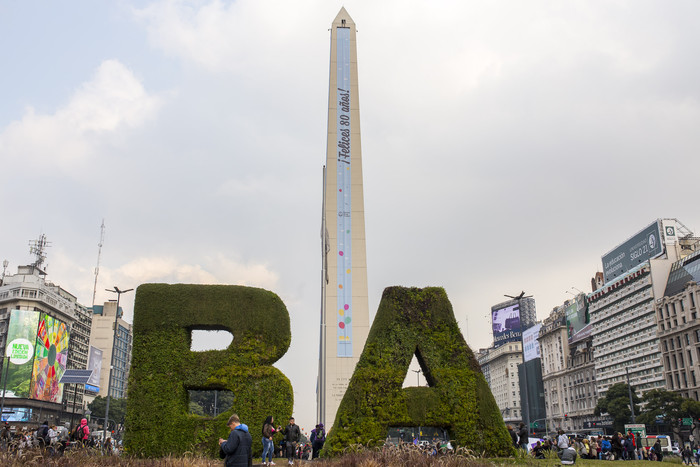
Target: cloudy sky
<point>507,145</point>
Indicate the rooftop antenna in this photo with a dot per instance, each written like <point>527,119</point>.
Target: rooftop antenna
<point>99,254</point>
<point>38,249</point>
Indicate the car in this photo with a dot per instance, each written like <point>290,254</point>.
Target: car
<point>676,451</point>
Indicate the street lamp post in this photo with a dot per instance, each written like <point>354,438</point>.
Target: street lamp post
<point>111,366</point>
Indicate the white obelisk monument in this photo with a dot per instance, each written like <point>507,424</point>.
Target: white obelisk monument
<point>344,307</point>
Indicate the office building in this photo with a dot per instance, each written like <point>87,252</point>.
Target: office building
<point>103,318</point>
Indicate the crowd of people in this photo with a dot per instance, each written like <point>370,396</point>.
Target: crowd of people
<point>53,440</point>
<point>617,446</point>
<point>237,449</point>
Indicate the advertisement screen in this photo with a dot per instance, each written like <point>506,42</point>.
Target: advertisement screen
<point>94,364</point>
<point>506,325</point>
<point>531,346</point>
<point>50,358</point>
<point>21,338</point>
<point>578,321</point>
<point>643,246</point>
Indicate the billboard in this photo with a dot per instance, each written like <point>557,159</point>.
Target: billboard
<point>531,346</point>
<point>94,364</point>
<point>644,245</point>
<point>37,345</point>
<point>21,339</point>
<point>50,358</point>
<point>578,321</point>
<point>506,325</point>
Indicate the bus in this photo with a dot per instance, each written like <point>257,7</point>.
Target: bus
<point>648,442</point>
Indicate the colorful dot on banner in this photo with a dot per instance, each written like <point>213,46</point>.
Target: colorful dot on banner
<point>348,271</point>
<point>341,312</point>
<point>347,307</point>
<point>340,286</point>
<point>347,231</point>
<point>341,325</point>
<point>340,253</point>
<point>340,189</point>
<point>347,320</point>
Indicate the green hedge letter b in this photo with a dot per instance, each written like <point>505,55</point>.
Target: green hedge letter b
<point>164,368</point>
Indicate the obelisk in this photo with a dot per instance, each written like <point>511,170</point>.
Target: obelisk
<point>345,306</point>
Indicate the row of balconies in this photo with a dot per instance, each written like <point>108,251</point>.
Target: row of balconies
<point>611,297</point>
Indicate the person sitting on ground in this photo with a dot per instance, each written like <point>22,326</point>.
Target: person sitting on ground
<point>538,451</point>
<point>567,456</point>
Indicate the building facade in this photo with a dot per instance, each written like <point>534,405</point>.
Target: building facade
<point>103,319</point>
<point>554,351</point>
<point>29,290</point>
<point>679,327</point>
<point>500,368</point>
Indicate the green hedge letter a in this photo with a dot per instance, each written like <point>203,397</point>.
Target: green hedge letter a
<point>164,368</point>
<point>420,322</point>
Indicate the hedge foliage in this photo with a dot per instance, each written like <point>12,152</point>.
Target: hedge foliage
<point>164,368</point>
<point>418,321</point>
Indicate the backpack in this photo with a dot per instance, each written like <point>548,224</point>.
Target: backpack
<point>78,433</point>
<point>44,434</point>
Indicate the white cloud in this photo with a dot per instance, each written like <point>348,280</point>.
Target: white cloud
<point>114,99</point>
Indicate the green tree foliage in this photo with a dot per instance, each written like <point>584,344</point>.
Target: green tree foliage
<point>661,404</point>
<point>117,409</point>
<point>668,406</point>
<point>418,321</point>
<point>616,403</point>
<point>164,369</point>
<point>210,403</point>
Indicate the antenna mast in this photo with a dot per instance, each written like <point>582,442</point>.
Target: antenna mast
<point>99,254</point>
<point>38,249</point>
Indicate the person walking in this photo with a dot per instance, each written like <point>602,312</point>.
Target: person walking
<point>292,434</point>
<point>657,451</point>
<point>237,450</point>
<point>513,435</point>
<point>318,437</point>
<point>523,436</point>
<point>268,430</point>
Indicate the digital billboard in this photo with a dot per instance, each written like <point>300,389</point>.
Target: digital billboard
<point>578,321</point>
<point>644,245</point>
<point>21,339</point>
<point>50,358</point>
<point>94,364</point>
<point>531,346</point>
<point>506,325</point>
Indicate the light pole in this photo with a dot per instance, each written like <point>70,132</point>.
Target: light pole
<point>111,366</point>
<point>417,372</point>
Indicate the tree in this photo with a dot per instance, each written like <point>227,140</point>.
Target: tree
<point>668,406</point>
<point>117,409</point>
<point>616,402</point>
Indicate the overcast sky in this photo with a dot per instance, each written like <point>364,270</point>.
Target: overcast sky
<point>507,145</point>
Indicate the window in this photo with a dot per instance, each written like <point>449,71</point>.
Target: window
<point>687,339</point>
<point>682,306</point>
<point>675,362</point>
<point>690,357</point>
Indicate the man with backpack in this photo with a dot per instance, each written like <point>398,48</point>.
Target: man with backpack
<point>317,438</point>
<point>42,435</point>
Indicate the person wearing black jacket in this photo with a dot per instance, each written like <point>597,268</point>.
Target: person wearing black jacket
<point>513,435</point>
<point>292,434</point>
<point>523,436</point>
<point>238,448</point>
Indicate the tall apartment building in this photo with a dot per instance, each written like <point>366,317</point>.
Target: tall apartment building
<point>29,290</point>
<point>623,313</point>
<point>500,367</point>
<point>679,327</point>
<point>103,318</point>
<point>554,352</point>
